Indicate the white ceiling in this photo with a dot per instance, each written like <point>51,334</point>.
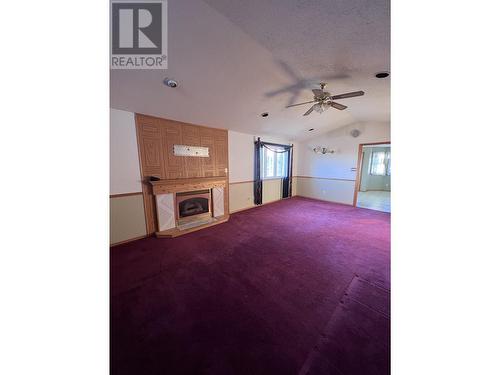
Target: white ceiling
<point>236,59</point>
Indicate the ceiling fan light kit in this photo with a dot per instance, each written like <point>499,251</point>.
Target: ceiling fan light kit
<point>320,108</point>
<point>323,100</point>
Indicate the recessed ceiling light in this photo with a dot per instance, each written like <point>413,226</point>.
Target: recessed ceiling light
<point>170,82</point>
<point>382,75</point>
<point>311,129</point>
<point>265,114</point>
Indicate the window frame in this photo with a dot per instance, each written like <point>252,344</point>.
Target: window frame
<point>275,164</point>
<point>385,163</point>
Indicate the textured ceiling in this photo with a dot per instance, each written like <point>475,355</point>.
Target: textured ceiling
<point>236,59</point>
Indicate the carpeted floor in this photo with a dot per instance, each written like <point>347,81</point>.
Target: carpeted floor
<point>294,287</point>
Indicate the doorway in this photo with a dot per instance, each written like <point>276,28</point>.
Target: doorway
<point>373,180</point>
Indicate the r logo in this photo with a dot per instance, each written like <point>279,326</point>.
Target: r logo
<point>137,28</point>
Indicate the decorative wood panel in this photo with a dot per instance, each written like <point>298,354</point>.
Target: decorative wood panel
<point>221,153</point>
<point>156,138</point>
<point>174,165</point>
<point>208,164</point>
<point>192,164</point>
<point>152,157</point>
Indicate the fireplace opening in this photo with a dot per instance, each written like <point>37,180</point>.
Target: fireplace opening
<point>193,205</point>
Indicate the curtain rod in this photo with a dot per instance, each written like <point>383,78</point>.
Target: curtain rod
<point>271,144</point>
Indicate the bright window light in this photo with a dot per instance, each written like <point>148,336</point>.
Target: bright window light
<point>275,163</point>
<point>380,163</point>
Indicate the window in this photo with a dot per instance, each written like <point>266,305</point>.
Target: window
<point>380,163</point>
<point>274,163</point>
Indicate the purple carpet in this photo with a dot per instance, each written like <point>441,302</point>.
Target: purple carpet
<point>294,287</point>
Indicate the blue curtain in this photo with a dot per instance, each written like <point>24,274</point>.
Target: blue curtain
<point>287,179</point>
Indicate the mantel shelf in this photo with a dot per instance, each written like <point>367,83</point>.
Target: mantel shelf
<point>187,184</point>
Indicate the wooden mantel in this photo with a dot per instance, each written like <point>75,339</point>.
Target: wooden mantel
<point>187,184</point>
<point>165,190</point>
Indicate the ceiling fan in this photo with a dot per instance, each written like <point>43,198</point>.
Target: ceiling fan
<point>324,100</point>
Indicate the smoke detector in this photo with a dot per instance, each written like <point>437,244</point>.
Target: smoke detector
<point>170,83</point>
<point>355,133</point>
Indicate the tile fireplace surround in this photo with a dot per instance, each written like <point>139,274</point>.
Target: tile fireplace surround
<point>165,192</point>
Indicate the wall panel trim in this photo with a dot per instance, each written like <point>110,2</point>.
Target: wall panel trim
<point>241,182</point>
<point>252,181</point>
<point>125,194</point>
<point>328,178</point>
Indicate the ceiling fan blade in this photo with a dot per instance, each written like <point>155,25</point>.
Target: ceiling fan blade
<point>294,105</point>
<point>337,105</point>
<point>318,93</point>
<point>309,111</point>
<point>347,95</point>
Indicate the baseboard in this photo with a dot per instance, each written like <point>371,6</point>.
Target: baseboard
<point>325,200</point>
<point>259,205</point>
<point>130,240</point>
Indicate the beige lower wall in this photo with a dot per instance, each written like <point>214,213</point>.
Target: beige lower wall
<point>126,218</point>
<point>271,190</point>
<point>241,193</point>
<point>334,190</point>
<point>240,196</point>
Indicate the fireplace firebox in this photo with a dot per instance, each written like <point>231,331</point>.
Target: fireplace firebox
<point>193,206</point>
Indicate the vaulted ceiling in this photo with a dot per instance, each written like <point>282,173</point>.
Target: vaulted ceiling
<point>236,59</point>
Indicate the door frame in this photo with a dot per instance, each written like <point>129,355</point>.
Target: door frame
<point>359,165</point>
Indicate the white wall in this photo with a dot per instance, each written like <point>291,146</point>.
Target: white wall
<point>339,165</point>
<point>241,152</point>
<point>334,175</point>
<point>125,176</point>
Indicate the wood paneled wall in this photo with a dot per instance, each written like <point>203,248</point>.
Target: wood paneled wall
<point>156,138</point>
